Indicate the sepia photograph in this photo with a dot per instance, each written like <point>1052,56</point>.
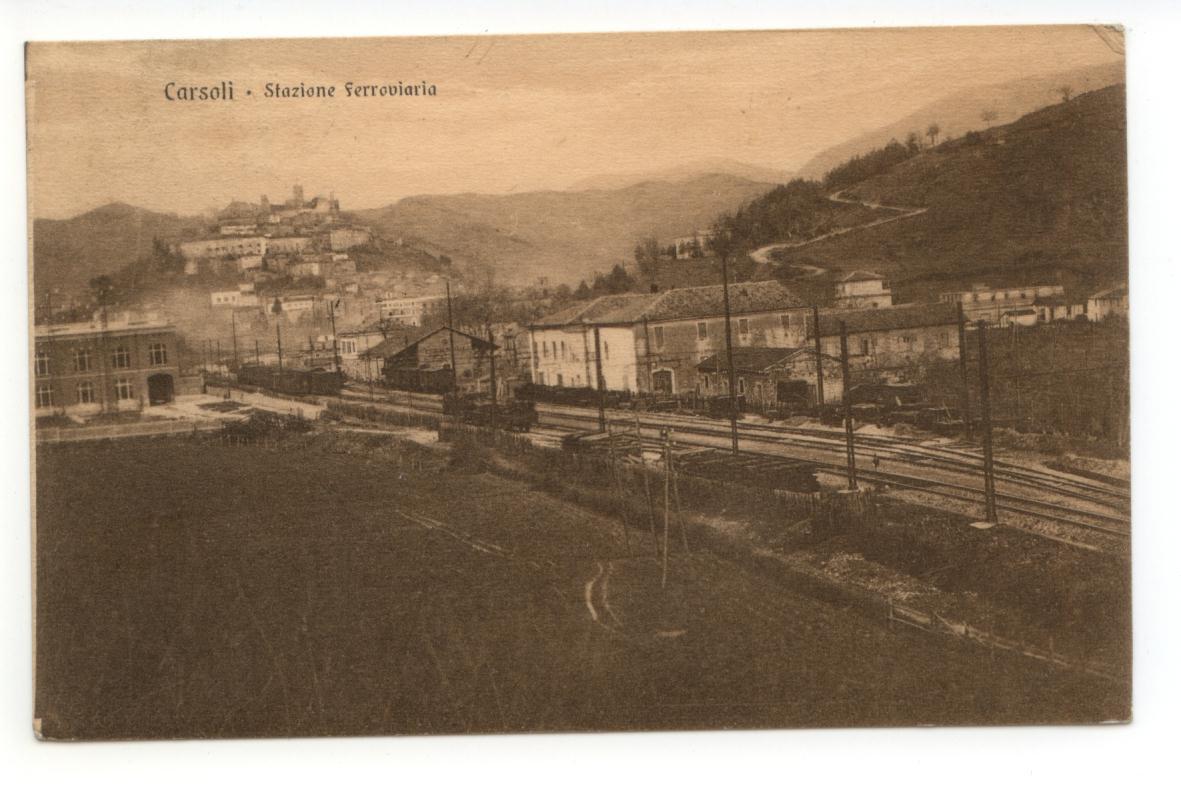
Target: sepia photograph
<point>599,382</point>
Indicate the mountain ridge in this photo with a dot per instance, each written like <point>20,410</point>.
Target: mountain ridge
<point>1041,198</point>
<point>961,112</point>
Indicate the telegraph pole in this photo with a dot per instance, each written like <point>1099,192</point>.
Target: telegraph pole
<point>819,362</point>
<point>730,356</point>
<point>277,310</point>
<point>234,336</point>
<point>492,368</point>
<point>986,425</point>
<point>257,354</point>
<point>599,382</point>
<point>668,452</point>
<point>451,339</point>
<point>850,455</point>
<point>965,403</point>
<point>332,317</point>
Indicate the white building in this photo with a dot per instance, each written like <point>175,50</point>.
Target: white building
<point>564,352</point>
<point>305,268</point>
<point>1108,303</point>
<point>863,290</point>
<point>654,342</point>
<point>990,303</point>
<point>407,310</point>
<point>353,345</point>
<point>296,306</point>
<point>226,246</point>
<point>236,298</point>
<point>249,262</point>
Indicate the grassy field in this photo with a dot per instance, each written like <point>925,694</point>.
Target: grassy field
<point>188,588</point>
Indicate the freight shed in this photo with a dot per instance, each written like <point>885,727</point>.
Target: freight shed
<point>425,363</point>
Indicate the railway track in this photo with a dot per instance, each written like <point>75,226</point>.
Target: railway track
<point>951,473</point>
<point>912,450</point>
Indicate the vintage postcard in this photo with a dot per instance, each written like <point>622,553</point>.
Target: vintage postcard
<point>626,382</point>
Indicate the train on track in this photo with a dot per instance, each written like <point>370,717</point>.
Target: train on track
<point>884,404</point>
<point>295,382</point>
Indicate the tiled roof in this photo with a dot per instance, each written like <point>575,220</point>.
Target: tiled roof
<point>679,304</point>
<point>863,276</point>
<point>745,298</point>
<point>604,310</point>
<point>396,344</point>
<point>889,318</point>
<point>1115,292</point>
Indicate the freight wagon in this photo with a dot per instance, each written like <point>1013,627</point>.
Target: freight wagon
<point>314,382</point>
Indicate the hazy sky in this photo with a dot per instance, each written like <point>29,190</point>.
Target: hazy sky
<point>511,113</point>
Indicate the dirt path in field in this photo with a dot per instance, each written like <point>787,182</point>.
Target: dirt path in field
<point>762,254</point>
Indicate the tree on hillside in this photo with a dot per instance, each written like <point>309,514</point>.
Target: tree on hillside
<point>582,292</point>
<point>933,132</point>
<point>647,254</point>
<point>1066,91</point>
<point>989,116</point>
<point>862,167</point>
<point>913,142</point>
<point>615,282</point>
<point>102,289</point>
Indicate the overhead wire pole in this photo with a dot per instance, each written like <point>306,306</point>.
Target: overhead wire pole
<point>332,319</point>
<point>986,426</point>
<point>677,499</point>
<point>599,382</point>
<point>492,368</point>
<point>277,310</point>
<point>451,341</point>
<point>234,338</point>
<point>667,505</point>
<point>647,487</point>
<point>965,402</point>
<point>618,489</point>
<point>850,454</point>
<point>730,354</point>
<point>819,361</point>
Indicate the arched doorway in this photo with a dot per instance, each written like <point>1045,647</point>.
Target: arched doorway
<point>160,389</point>
<point>662,381</point>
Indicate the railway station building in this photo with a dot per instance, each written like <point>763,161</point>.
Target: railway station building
<point>653,343</point>
<point>104,366</point>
